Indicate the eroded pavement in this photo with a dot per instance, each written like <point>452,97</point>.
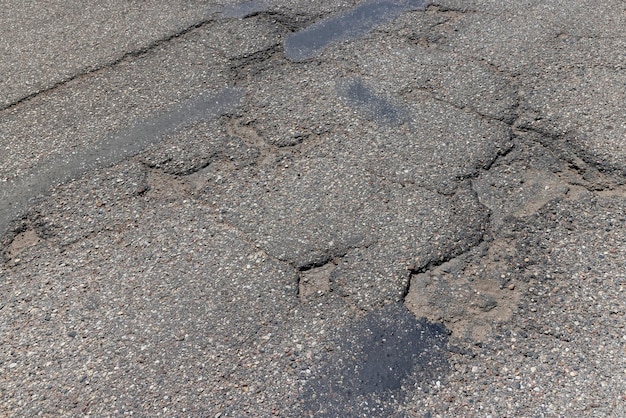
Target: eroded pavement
<point>389,208</point>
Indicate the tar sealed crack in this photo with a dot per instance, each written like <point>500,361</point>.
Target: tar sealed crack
<point>353,24</point>
<point>376,107</point>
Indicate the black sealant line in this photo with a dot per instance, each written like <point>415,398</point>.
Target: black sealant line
<point>357,94</point>
<point>15,195</point>
<point>353,24</point>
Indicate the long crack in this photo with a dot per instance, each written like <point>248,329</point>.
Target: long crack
<point>110,64</point>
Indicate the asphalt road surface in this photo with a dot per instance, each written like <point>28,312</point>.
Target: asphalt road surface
<point>333,208</point>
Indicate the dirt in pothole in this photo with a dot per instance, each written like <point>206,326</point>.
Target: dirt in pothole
<point>22,241</point>
<point>469,294</point>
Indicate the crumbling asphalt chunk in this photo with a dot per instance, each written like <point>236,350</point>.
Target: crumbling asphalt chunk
<point>294,210</point>
<point>410,239</point>
<point>189,150</point>
<point>311,211</point>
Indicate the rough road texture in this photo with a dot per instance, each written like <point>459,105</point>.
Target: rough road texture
<point>220,209</point>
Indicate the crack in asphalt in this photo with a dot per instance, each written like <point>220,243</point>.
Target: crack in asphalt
<point>436,7</point>
<point>290,22</point>
<point>16,194</point>
<point>359,95</point>
<point>592,175</point>
<point>247,65</point>
<point>484,238</point>
<point>124,57</point>
<point>508,120</point>
<point>244,10</point>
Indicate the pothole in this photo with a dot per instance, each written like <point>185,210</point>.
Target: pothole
<point>469,294</point>
<point>315,282</point>
<point>167,186</point>
<point>21,242</point>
